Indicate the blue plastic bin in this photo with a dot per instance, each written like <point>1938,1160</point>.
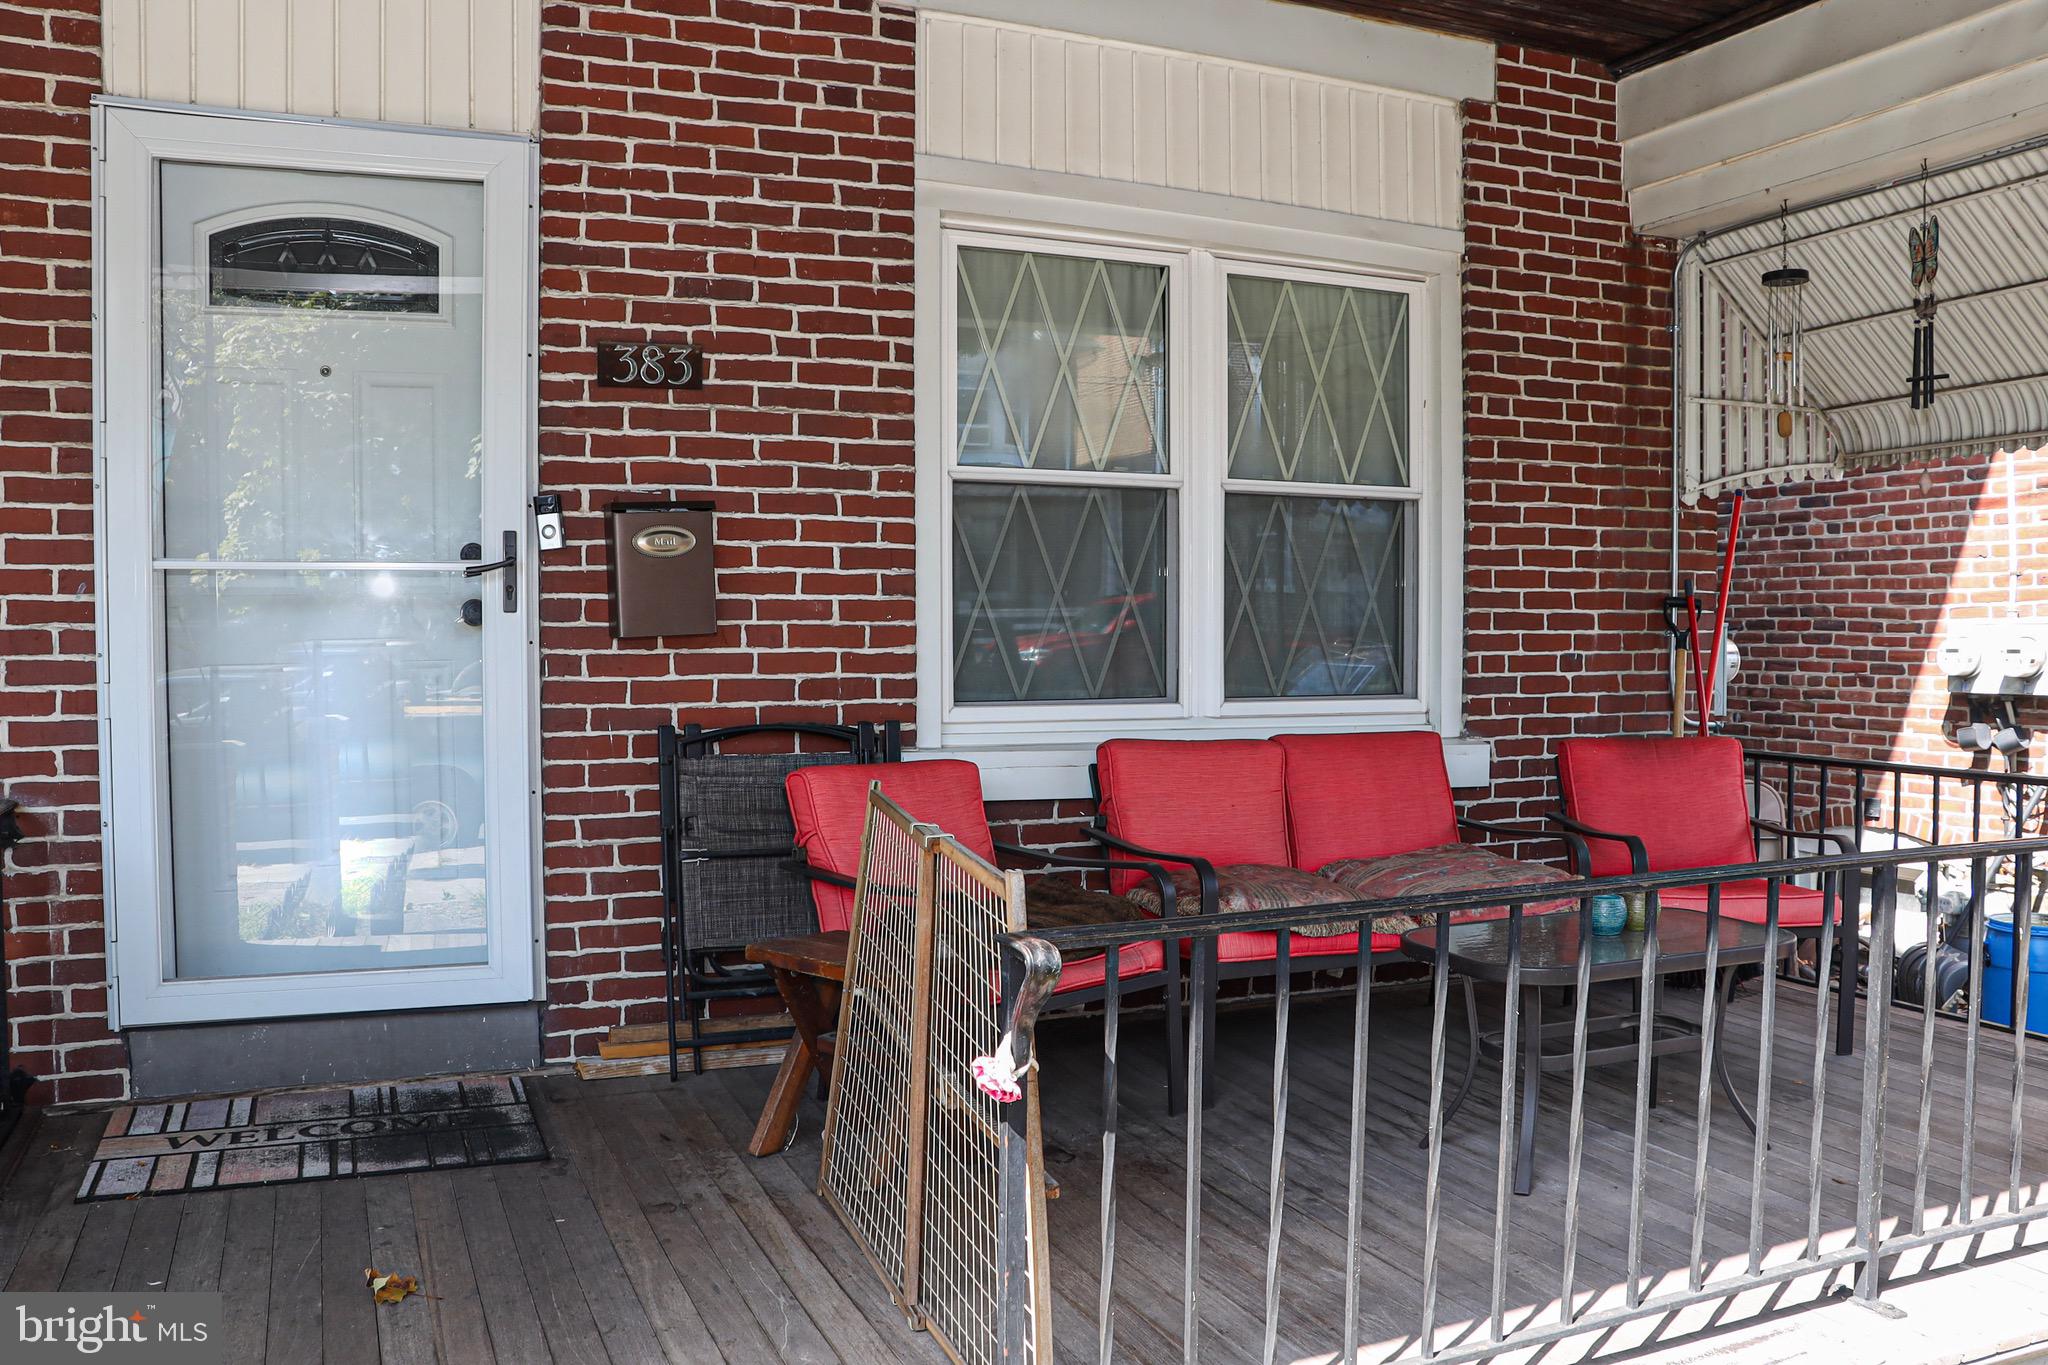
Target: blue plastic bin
<point>1998,951</point>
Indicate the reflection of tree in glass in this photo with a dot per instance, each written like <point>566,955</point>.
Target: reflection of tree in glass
<point>266,457</point>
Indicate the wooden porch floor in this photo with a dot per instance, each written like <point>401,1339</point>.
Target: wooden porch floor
<point>650,1237</point>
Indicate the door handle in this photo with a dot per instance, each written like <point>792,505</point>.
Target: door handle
<point>510,564</point>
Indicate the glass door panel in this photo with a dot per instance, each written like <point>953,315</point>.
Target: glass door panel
<point>319,487</point>
<point>326,771</point>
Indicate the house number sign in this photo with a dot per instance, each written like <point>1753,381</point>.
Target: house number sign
<point>649,365</point>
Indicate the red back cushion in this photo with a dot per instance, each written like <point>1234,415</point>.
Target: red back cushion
<point>1682,797</point>
<point>1220,799</point>
<point>829,805</point>
<point>1366,796</point>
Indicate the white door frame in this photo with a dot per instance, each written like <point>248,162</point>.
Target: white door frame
<point>131,138</point>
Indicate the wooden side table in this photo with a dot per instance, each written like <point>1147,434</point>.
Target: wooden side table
<point>808,971</point>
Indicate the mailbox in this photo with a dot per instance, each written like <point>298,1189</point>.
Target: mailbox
<point>662,581</point>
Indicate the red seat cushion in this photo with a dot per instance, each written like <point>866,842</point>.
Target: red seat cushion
<point>1682,797</point>
<point>829,803</point>
<point>1366,795</point>
<point>1799,907</point>
<point>1220,799</point>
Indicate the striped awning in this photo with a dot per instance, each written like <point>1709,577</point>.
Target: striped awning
<point>1991,330</point>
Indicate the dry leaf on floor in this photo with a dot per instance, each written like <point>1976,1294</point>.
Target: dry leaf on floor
<point>389,1288</point>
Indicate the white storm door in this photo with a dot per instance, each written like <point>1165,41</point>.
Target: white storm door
<point>316,418</point>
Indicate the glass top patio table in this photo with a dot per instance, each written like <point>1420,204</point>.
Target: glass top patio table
<point>1550,947</point>
<point>1549,958</point>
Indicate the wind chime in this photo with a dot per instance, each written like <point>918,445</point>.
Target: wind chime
<point>1923,255</point>
<point>1784,319</point>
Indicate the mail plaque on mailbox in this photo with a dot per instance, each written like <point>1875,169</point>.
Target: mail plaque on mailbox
<point>662,580</point>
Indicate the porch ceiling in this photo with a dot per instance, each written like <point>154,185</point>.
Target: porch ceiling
<point>1991,338</point>
<point>1626,35</point>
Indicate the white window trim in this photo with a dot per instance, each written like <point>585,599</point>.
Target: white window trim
<point>1039,751</point>
<point>131,138</point>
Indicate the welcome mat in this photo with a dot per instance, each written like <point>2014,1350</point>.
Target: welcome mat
<point>276,1137</point>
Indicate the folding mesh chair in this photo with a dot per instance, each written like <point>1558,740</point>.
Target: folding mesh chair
<point>729,875</point>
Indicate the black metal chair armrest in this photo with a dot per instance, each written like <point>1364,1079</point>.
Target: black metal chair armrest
<point>826,875</point>
<point>1155,871</point>
<point>1205,871</point>
<point>1639,854</point>
<point>1574,846</point>
<point>1842,842</point>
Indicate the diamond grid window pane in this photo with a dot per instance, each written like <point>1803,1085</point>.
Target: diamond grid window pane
<point>1062,362</point>
<point>1315,597</point>
<point>1318,382</point>
<point>1061,594</point>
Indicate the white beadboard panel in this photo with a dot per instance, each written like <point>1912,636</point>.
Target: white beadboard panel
<point>443,63</point>
<point>1075,105</point>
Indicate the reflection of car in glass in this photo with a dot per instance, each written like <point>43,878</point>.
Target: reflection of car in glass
<point>1361,671</point>
<point>346,733</point>
<point>1090,632</point>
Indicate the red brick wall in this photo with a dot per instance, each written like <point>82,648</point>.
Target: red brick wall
<point>740,172</point>
<point>1845,588</point>
<point>1567,425</point>
<point>56,937</point>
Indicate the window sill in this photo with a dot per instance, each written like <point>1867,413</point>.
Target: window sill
<point>1059,772</point>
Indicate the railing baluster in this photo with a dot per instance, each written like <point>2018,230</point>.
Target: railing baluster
<point>1877,1039</point>
<point>1197,1063</point>
<point>1980,885</point>
<point>1354,1183</point>
<point>1710,1019</point>
<point>1276,1175</point>
<point>2022,974</point>
<point>1646,1033</point>
<point>1767,1038</point>
<point>1504,1173</point>
<point>1112,1019</point>
<point>1927,1006</point>
<point>1577,1152</point>
<point>1432,1190</point>
<point>1851,945</point>
<point>1976,807</point>
<point>1830,910</point>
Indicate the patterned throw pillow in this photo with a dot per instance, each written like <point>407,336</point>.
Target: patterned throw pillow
<point>1445,868</point>
<point>1251,886</point>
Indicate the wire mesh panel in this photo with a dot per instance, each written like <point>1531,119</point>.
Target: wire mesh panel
<point>934,1178</point>
<point>871,1169</point>
<point>973,906</point>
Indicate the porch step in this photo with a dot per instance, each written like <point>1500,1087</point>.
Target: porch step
<point>642,1049</point>
<point>717,1057</point>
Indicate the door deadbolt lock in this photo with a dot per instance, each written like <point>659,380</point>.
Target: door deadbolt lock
<point>509,566</point>
<point>473,612</point>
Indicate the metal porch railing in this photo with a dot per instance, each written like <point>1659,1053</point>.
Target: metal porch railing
<point>1963,1198</point>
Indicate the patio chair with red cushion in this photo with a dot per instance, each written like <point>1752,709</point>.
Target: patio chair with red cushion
<point>829,808</point>
<point>1296,822</point>
<point>1665,804</point>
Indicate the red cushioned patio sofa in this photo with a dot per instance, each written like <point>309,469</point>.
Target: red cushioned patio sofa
<point>1299,821</point>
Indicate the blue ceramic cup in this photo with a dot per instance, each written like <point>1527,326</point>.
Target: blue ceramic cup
<point>1610,914</point>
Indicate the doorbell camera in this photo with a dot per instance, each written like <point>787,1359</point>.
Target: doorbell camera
<point>547,521</point>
